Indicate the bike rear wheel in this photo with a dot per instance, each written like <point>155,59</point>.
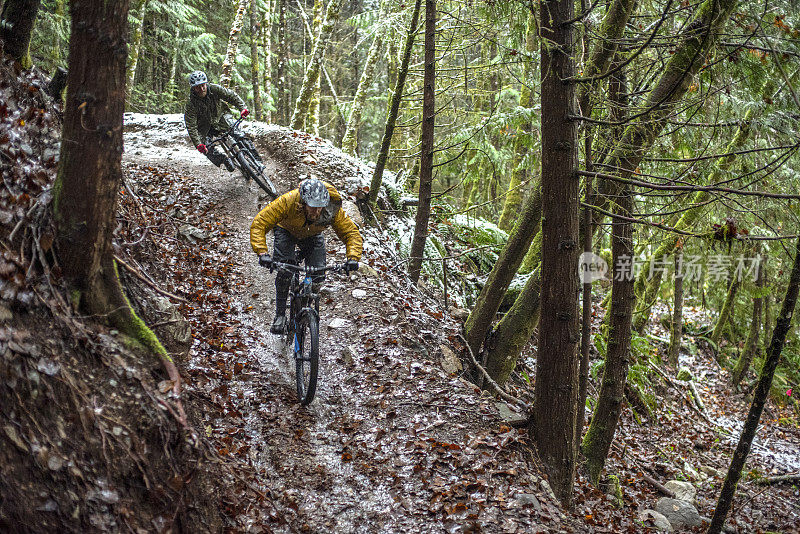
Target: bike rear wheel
<point>306,356</point>
<point>252,169</point>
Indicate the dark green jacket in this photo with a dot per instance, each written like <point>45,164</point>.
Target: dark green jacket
<point>201,114</point>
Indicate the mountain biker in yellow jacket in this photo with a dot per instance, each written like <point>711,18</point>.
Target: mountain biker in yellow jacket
<point>297,219</point>
<point>207,114</point>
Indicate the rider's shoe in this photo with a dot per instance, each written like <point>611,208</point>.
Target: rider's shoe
<point>229,165</point>
<point>278,324</point>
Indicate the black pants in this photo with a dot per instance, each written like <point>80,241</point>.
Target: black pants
<point>289,249</point>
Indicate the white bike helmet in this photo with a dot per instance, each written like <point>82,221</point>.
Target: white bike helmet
<point>197,77</point>
<point>314,193</point>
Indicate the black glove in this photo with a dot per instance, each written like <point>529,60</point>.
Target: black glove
<point>265,260</point>
<point>350,266</point>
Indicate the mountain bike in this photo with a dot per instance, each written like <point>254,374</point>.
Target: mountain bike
<point>302,328</point>
<point>233,143</point>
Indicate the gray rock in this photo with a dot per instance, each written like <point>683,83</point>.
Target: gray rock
<point>352,211</point>
<point>459,314</point>
<point>450,362</point>
<point>529,499</point>
<point>348,355</point>
<point>679,513</point>
<point>192,233</point>
<point>5,314</point>
<point>173,330</point>
<point>48,366</point>
<point>684,491</point>
<point>659,521</point>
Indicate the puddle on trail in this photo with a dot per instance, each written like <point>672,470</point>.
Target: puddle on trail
<point>327,490</point>
<point>771,452</point>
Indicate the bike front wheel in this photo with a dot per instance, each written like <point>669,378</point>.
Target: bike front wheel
<point>306,356</point>
<point>252,169</point>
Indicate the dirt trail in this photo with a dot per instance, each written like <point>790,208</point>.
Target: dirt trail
<point>391,442</point>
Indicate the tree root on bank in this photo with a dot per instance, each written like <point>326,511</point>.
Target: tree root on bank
<point>106,298</point>
<point>490,382</point>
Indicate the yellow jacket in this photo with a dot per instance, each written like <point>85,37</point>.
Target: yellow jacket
<point>287,212</point>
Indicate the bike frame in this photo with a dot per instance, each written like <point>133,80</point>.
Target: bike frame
<point>233,144</point>
<point>304,314</point>
<point>230,142</point>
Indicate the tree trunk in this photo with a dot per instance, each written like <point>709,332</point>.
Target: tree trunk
<point>301,106</point>
<point>282,95</point>
<point>519,171</point>
<point>90,171</point>
<point>517,326</point>
<point>394,108</point>
<point>600,434</point>
<point>553,421</point>
<point>601,430</point>
<point>426,146</point>
<point>312,120</point>
<point>350,140</point>
<point>136,42</point>
<point>173,69</point>
<point>16,26</point>
<point>759,398</point>
<point>768,299</point>
<point>266,44</point>
<point>254,61</point>
<point>727,310</point>
<point>752,345</point>
<point>229,64</point>
<point>677,312</point>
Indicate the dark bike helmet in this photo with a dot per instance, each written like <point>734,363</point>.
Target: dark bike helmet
<point>197,77</point>
<point>314,193</point>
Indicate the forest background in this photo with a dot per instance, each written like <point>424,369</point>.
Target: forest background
<point>694,146</point>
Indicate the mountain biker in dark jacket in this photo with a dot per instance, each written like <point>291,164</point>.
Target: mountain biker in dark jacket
<point>207,115</point>
<point>297,219</point>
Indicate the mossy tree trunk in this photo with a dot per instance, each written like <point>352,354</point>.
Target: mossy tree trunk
<point>140,6</point>
<point>480,319</point>
<point>677,312</point>
<point>90,172</point>
<point>600,434</point>
<point>767,304</point>
<point>281,86</point>
<point>752,345</point>
<point>760,395</point>
<point>554,411</point>
<point>727,309</point>
<point>394,107</point>
<point>266,45</point>
<point>426,146</point>
<point>311,77</point>
<point>254,60</point>
<point>229,63</point>
<point>603,425</point>
<point>350,139</point>
<point>520,169</point>
<point>312,120</point>
<point>16,26</point>
<point>515,329</point>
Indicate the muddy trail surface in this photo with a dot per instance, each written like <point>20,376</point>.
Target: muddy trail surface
<point>391,441</point>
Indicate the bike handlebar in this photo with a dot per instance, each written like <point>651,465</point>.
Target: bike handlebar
<point>309,270</point>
